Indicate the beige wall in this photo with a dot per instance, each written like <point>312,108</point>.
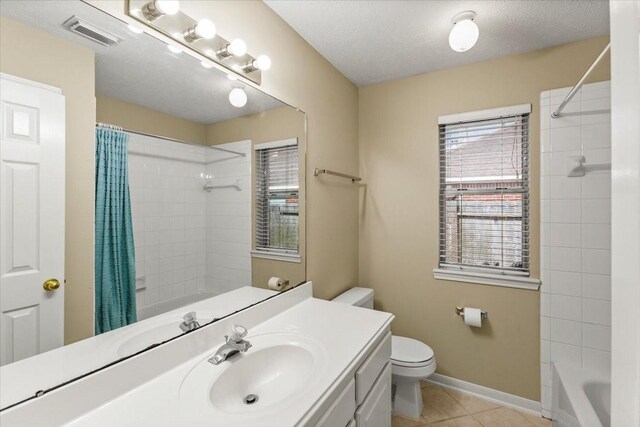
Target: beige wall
<point>272,125</point>
<point>142,119</point>
<point>399,212</point>
<point>300,76</point>
<point>38,56</point>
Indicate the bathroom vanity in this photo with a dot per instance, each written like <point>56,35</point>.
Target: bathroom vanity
<point>311,362</point>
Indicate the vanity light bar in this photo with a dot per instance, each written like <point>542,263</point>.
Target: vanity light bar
<point>199,36</point>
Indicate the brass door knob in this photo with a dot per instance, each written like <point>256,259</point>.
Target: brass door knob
<point>51,285</point>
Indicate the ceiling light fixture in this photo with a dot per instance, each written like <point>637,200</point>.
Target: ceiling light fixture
<point>157,8</point>
<point>237,48</point>
<point>238,97</point>
<point>465,32</point>
<point>262,63</point>
<point>204,29</point>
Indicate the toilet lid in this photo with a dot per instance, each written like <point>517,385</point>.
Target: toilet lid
<point>407,350</point>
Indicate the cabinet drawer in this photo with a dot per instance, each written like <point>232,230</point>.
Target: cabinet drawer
<point>375,411</point>
<point>370,369</point>
<point>341,411</point>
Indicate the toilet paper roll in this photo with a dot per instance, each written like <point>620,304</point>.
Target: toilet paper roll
<point>276,283</point>
<point>473,317</point>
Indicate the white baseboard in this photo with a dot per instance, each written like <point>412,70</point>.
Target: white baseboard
<point>496,396</point>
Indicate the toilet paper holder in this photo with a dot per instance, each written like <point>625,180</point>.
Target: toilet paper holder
<point>483,314</point>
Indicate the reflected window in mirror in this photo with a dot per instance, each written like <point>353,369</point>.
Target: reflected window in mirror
<point>276,199</point>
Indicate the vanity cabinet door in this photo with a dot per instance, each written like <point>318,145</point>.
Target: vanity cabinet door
<point>370,369</point>
<point>375,411</point>
<point>341,411</point>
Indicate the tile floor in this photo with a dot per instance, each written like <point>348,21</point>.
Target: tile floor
<point>448,408</point>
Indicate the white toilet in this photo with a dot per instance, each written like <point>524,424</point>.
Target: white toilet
<point>411,360</point>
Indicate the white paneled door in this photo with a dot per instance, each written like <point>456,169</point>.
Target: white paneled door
<point>32,157</point>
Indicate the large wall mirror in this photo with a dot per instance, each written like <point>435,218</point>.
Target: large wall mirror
<point>183,198</point>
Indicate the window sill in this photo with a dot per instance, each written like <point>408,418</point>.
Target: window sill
<point>277,256</point>
<point>504,280</point>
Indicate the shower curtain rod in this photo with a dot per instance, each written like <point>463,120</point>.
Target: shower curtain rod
<point>193,144</point>
<point>578,85</point>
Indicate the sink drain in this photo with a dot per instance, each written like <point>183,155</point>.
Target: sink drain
<point>251,399</point>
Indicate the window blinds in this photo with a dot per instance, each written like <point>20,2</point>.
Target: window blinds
<point>484,194</point>
<point>277,199</point>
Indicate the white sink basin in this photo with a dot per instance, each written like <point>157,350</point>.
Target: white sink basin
<point>278,367</point>
<point>272,374</point>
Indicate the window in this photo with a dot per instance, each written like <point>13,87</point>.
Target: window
<point>484,196</point>
<point>276,200</point>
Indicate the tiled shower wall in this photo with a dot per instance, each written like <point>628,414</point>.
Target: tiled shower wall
<point>229,218</point>
<point>171,214</point>
<point>575,304</point>
<point>169,218</point>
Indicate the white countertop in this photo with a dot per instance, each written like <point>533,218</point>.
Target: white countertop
<point>22,379</point>
<point>344,332</point>
<point>146,389</point>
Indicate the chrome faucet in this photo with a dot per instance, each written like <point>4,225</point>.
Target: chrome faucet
<point>190,322</point>
<point>235,343</point>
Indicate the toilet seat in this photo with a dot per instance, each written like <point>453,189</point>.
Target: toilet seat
<point>412,365</point>
<point>410,353</point>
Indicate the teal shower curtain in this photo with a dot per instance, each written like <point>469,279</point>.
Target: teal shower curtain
<point>115,275</point>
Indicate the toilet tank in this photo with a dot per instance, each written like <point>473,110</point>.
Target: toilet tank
<point>360,297</point>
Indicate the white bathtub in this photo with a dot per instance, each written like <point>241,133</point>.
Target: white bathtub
<point>581,397</point>
<point>172,304</point>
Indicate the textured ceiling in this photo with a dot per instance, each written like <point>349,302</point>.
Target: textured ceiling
<point>373,41</point>
<point>140,69</point>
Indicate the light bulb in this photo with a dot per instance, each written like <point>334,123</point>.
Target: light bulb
<point>206,64</point>
<point>167,7</point>
<point>238,97</point>
<point>263,63</point>
<point>237,47</point>
<point>464,33</point>
<point>135,29</point>
<point>174,49</point>
<point>157,8</point>
<point>205,29</point>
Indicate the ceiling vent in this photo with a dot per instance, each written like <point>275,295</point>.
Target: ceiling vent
<point>90,31</point>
